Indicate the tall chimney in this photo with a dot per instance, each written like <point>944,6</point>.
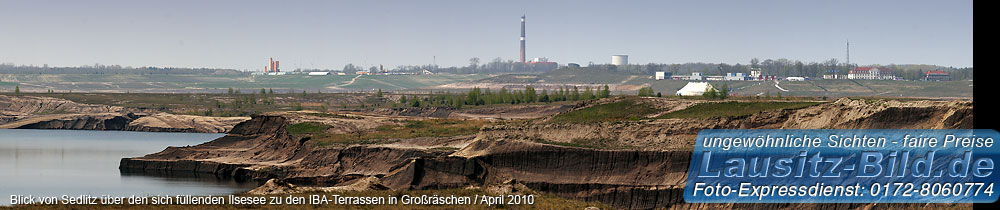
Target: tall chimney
<point>522,38</point>
<point>276,68</point>
<point>270,64</point>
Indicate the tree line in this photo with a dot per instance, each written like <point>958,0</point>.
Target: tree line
<point>479,96</point>
<point>783,68</point>
<point>9,68</point>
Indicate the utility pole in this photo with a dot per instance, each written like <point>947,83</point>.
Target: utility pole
<point>848,54</point>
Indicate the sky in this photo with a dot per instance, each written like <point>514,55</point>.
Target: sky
<point>329,34</point>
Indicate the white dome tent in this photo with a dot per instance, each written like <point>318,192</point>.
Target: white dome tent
<point>694,89</point>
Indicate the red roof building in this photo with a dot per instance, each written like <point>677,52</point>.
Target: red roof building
<point>937,75</point>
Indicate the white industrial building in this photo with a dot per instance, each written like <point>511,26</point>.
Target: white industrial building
<point>319,73</point>
<point>795,78</point>
<point>694,89</point>
<point>660,75</point>
<point>619,60</point>
<point>695,76</point>
<point>735,76</point>
<point>872,73</point>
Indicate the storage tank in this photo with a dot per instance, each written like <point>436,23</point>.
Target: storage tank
<point>619,60</point>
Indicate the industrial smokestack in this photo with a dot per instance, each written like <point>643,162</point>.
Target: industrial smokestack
<point>270,64</point>
<point>522,39</point>
<point>276,68</point>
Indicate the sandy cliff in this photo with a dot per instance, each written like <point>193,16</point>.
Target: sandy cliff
<point>31,112</point>
<point>262,149</point>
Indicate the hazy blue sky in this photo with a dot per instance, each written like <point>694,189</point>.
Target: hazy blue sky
<point>329,34</point>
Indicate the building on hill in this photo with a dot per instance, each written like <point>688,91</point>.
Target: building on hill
<point>663,75</point>
<point>871,73</point>
<point>694,89</point>
<point>796,78</point>
<point>542,64</point>
<point>833,76</point>
<point>619,60</point>
<point>735,76</point>
<point>937,75</point>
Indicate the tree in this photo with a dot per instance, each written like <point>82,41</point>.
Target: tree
<point>17,90</point>
<point>473,62</point>
<point>588,93</point>
<point>416,102</point>
<point>709,93</point>
<point>262,92</point>
<point>379,94</point>
<point>529,94</point>
<point>270,91</point>
<point>230,91</point>
<point>576,93</point>
<point>606,92</point>
<point>724,91</point>
<point>350,68</point>
<point>545,97</point>
<point>646,92</point>
<point>402,99</point>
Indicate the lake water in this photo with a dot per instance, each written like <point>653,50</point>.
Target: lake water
<point>78,162</point>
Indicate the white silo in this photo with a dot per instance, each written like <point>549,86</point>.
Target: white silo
<point>619,60</point>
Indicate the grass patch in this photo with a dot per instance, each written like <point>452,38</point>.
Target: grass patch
<point>732,108</point>
<point>407,130</point>
<point>307,128</point>
<point>626,109</point>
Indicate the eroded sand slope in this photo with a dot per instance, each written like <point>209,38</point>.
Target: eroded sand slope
<point>650,176</point>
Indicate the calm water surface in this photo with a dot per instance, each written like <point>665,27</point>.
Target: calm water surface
<point>77,162</point>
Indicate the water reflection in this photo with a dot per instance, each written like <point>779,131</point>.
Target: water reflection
<point>70,162</point>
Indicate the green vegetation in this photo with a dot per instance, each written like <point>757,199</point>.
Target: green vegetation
<point>732,108</point>
<point>307,128</point>
<point>627,109</point>
<point>220,105</point>
<point>630,109</point>
<point>324,114</point>
<point>477,96</point>
<point>716,93</point>
<point>406,130</point>
<point>646,92</point>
